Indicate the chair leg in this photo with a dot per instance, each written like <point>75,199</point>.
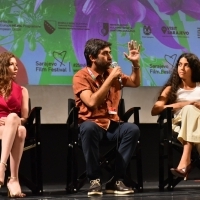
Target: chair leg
<point>35,184</point>
<point>139,184</point>
<point>72,185</point>
<point>38,154</point>
<point>170,165</point>
<point>38,168</point>
<point>161,167</point>
<point>69,170</point>
<point>139,167</point>
<point>128,179</point>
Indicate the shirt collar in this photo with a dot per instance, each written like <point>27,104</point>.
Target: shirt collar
<point>106,73</point>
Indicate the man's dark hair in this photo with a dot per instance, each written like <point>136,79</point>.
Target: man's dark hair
<point>93,47</point>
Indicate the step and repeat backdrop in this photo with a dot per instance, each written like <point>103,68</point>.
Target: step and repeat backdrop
<point>48,36</point>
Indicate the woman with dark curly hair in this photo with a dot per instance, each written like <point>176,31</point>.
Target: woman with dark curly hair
<point>13,115</point>
<point>182,93</point>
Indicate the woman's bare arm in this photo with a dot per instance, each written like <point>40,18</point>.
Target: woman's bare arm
<point>160,105</point>
<point>25,107</point>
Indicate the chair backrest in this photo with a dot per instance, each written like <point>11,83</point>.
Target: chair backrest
<point>72,119</point>
<point>123,114</point>
<point>71,105</point>
<point>121,108</point>
<point>29,106</point>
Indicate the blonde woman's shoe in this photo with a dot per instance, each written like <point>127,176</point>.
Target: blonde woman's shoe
<point>12,194</point>
<point>2,181</point>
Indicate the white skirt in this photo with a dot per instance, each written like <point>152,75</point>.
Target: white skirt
<point>190,125</point>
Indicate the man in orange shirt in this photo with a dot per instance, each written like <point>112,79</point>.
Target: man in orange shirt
<point>97,89</point>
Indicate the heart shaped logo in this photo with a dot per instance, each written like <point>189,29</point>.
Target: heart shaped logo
<point>59,56</point>
<point>171,59</point>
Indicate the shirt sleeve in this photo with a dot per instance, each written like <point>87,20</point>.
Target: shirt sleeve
<point>80,83</point>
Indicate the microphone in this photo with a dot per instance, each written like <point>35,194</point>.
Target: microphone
<point>115,64</point>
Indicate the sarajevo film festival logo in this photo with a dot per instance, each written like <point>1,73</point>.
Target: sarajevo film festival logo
<point>171,59</point>
<point>50,26</point>
<point>103,28</point>
<point>147,30</point>
<point>59,56</point>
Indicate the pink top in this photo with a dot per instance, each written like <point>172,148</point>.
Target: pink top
<point>13,103</point>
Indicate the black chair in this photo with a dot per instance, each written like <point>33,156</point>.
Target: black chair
<point>33,147</point>
<point>168,143</point>
<point>74,182</point>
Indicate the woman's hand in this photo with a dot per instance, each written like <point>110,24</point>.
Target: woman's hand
<point>2,121</point>
<point>196,104</point>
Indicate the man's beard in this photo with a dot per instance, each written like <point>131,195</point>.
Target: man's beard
<point>102,66</point>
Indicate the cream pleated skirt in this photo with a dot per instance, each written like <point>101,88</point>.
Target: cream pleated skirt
<point>190,125</point>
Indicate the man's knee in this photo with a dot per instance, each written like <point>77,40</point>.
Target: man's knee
<point>134,130</point>
<point>88,128</point>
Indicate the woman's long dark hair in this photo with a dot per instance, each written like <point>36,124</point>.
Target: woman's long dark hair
<point>174,81</point>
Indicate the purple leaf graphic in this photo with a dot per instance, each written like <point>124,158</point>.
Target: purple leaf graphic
<point>156,24</point>
<point>37,4</point>
<point>170,7</point>
<point>95,12</point>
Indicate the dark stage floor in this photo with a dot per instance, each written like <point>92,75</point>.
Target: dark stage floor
<point>184,191</point>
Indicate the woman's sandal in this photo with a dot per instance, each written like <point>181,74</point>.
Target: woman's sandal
<point>2,181</point>
<point>14,195</point>
<point>184,172</point>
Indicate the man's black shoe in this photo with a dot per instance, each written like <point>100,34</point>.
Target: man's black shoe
<point>95,188</point>
<point>117,187</point>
